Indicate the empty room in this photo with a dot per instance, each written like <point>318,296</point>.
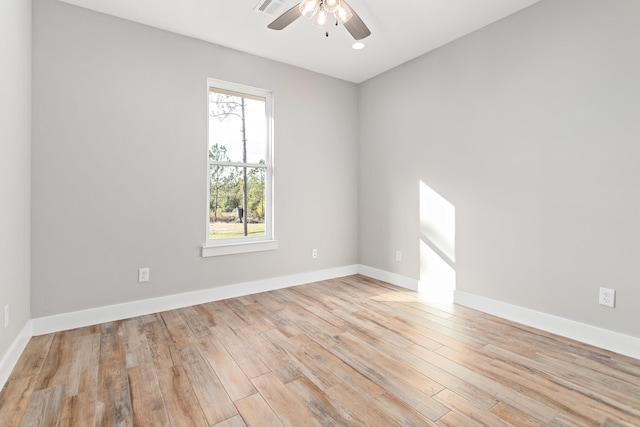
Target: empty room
<point>320,212</point>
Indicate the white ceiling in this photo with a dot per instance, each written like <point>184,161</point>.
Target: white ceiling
<point>401,30</point>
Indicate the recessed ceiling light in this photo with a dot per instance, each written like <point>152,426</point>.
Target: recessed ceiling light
<point>358,45</point>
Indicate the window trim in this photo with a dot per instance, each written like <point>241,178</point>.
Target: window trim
<point>243,244</point>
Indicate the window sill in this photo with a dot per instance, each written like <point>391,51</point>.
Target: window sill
<point>239,248</point>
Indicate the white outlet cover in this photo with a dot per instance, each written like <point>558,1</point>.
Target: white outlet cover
<point>607,297</point>
<point>143,275</point>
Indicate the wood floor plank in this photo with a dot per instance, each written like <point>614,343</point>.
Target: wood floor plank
<point>256,412</point>
<point>274,357</point>
<point>283,325</point>
<point>369,330</point>
<point>324,299</point>
<point>309,322</point>
<point>162,348</point>
<point>136,346</point>
<point>178,330</point>
<point>32,358</point>
<point>56,366</point>
<point>318,373</point>
<point>421,305</point>
<point>441,376</point>
<point>564,419</point>
<point>545,390</point>
<point>223,315</point>
<point>213,399</point>
<point>399,412</point>
<point>113,406</point>
<point>609,367</point>
<point>344,372</point>
<point>539,410</point>
<point>246,313</point>
<point>351,351</point>
<point>232,377</point>
<point>79,410</point>
<point>514,416</point>
<point>207,316</point>
<point>439,332</point>
<point>82,386</point>
<point>241,351</point>
<point>45,407</point>
<point>318,403</point>
<point>198,324</point>
<point>613,423</point>
<point>467,409</point>
<point>146,398</point>
<point>111,344</point>
<point>270,301</point>
<point>399,384</point>
<point>623,394</point>
<point>386,366</point>
<point>453,419</point>
<point>358,407</point>
<point>15,397</point>
<point>236,421</point>
<point>289,409</point>
<point>179,399</point>
<point>83,373</point>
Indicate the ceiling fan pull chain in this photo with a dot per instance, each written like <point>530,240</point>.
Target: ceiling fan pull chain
<point>326,28</point>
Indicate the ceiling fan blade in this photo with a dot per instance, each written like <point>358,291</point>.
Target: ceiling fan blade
<point>286,18</point>
<point>355,25</point>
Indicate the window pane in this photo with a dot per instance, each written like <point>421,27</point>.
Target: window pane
<point>239,157</point>
<point>238,124</point>
<point>230,199</point>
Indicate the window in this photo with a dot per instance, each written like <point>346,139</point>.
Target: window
<point>239,161</point>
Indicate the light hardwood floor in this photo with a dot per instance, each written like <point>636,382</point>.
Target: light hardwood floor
<point>350,351</point>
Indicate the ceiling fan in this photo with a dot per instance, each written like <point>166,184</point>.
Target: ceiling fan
<point>323,13</point>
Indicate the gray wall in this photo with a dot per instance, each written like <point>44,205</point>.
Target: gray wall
<point>15,181</point>
<point>119,163</point>
<point>530,128</point>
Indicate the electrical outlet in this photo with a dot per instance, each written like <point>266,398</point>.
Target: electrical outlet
<point>398,256</point>
<point>607,297</point>
<point>143,275</point>
<point>6,316</point>
<point>314,253</point>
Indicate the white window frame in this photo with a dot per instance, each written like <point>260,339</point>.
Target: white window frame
<point>243,244</point>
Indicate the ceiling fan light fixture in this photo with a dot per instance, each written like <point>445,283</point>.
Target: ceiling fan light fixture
<point>343,14</point>
<point>309,8</point>
<point>321,18</point>
<point>323,13</point>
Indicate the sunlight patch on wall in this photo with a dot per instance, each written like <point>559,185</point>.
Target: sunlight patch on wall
<point>437,245</point>
<point>437,277</point>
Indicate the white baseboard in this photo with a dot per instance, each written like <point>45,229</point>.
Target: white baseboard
<point>12,355</point>
<point>599,337</point>
<point>93,316</point>
<point>385,276</point>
